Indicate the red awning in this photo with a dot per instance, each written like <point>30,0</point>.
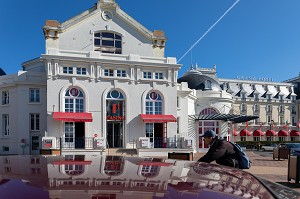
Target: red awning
<point>294,133</point>
<point>73,117</point>
<point>245,132</point>
<point>270,133</point>
<point>258,132</point>
<point>157,118</point>
<point>77,162</point>
<point>234,133</point>
<point>283,133</point>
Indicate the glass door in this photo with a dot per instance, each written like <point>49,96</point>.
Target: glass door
<point>69,135</point>
<point>114,134</point>
<point>150,133</point>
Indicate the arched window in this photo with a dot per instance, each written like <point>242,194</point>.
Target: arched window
<point>108,42</point>
<point>154,103</point>
<point>114,165</point>
<point>150,171</point>
<point>208,111</point>
<point>74,100</point>
<point>114,104</point>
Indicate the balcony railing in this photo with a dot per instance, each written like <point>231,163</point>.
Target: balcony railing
<point>90,143</point>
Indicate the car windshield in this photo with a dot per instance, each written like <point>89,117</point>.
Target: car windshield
<point>292,145</point>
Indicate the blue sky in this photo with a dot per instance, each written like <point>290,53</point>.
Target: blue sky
<point>257,38</point>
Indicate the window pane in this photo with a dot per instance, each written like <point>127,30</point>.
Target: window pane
<point>117,36</point>
<point>118,44</point>
<point>97,42</point>
<point>107,43</point>
<point>108,35</point>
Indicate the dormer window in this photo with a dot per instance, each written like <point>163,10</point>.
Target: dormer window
<point>108,42</point>
<point>207,85</point>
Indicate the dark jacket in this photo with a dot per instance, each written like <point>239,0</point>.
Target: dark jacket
<point>222,152</point>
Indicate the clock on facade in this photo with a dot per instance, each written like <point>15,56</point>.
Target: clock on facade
<point>107,15</point>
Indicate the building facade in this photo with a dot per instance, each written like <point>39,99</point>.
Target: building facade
<point>104,82</point>
<point>273,104</point>
<point>103,75</point>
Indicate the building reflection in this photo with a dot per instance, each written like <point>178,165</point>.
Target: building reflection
<point>108,177</point>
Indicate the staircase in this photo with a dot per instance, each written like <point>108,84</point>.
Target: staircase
<point>121,152</point>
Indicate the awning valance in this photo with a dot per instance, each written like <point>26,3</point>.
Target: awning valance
<point>226,117</point>
<point>148,118</point>
<point>283,133</point>
<point>245,132</point>
<point>258,132</point>
<point>73,117</point>
<point>234,133</point>
<point>270,133</point>
<point>294,133</point>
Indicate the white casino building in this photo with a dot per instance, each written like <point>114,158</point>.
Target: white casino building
<point>104,82</point>
<point>103,75</point>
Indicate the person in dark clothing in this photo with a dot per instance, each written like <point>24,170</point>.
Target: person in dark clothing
<point>220,150</point>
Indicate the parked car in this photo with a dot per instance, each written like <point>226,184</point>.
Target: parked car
<point>294,147</point>
<point>268,147</point>
<point>248,146</point>
<point>93,176</point>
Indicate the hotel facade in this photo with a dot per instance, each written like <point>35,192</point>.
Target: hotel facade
<point>104,82</point>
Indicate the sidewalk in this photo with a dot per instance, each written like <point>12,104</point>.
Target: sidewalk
<point>267,168</point>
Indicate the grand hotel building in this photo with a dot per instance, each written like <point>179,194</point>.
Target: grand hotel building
<point>104,79</point>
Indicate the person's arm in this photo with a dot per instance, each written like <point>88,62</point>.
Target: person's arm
<point>214,153</point>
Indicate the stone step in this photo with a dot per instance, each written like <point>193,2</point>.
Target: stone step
<point>121,151</point>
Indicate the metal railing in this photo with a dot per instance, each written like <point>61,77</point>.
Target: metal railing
<point>160,142</point>
<point>90,143</point>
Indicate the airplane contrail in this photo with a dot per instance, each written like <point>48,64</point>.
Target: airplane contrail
<point>210,28</point>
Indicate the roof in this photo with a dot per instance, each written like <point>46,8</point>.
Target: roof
<point>110,5</point>
<point>196,80</point>
<point>227,117</point>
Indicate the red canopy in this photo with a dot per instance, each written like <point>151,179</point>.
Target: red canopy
<point>294,133</point>
<point>245,132</point>
<point>234,133</point>
<point>148,118</point>
<point>283,133</point>
<point>258,132</point>
<point>270,133</point>
<point>73,117</point>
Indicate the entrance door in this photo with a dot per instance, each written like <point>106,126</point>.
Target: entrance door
<point>114,134</point>
<point>35,144</point>
<point>79,135</point>
<point>159,141</point>
<point>155,132</point>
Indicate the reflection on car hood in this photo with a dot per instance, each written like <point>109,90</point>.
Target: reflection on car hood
<point>113,177</point>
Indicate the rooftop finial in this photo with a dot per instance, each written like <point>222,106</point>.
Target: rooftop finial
<point>191,67</point>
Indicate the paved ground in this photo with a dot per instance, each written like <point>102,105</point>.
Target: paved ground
<point>266,167</point>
